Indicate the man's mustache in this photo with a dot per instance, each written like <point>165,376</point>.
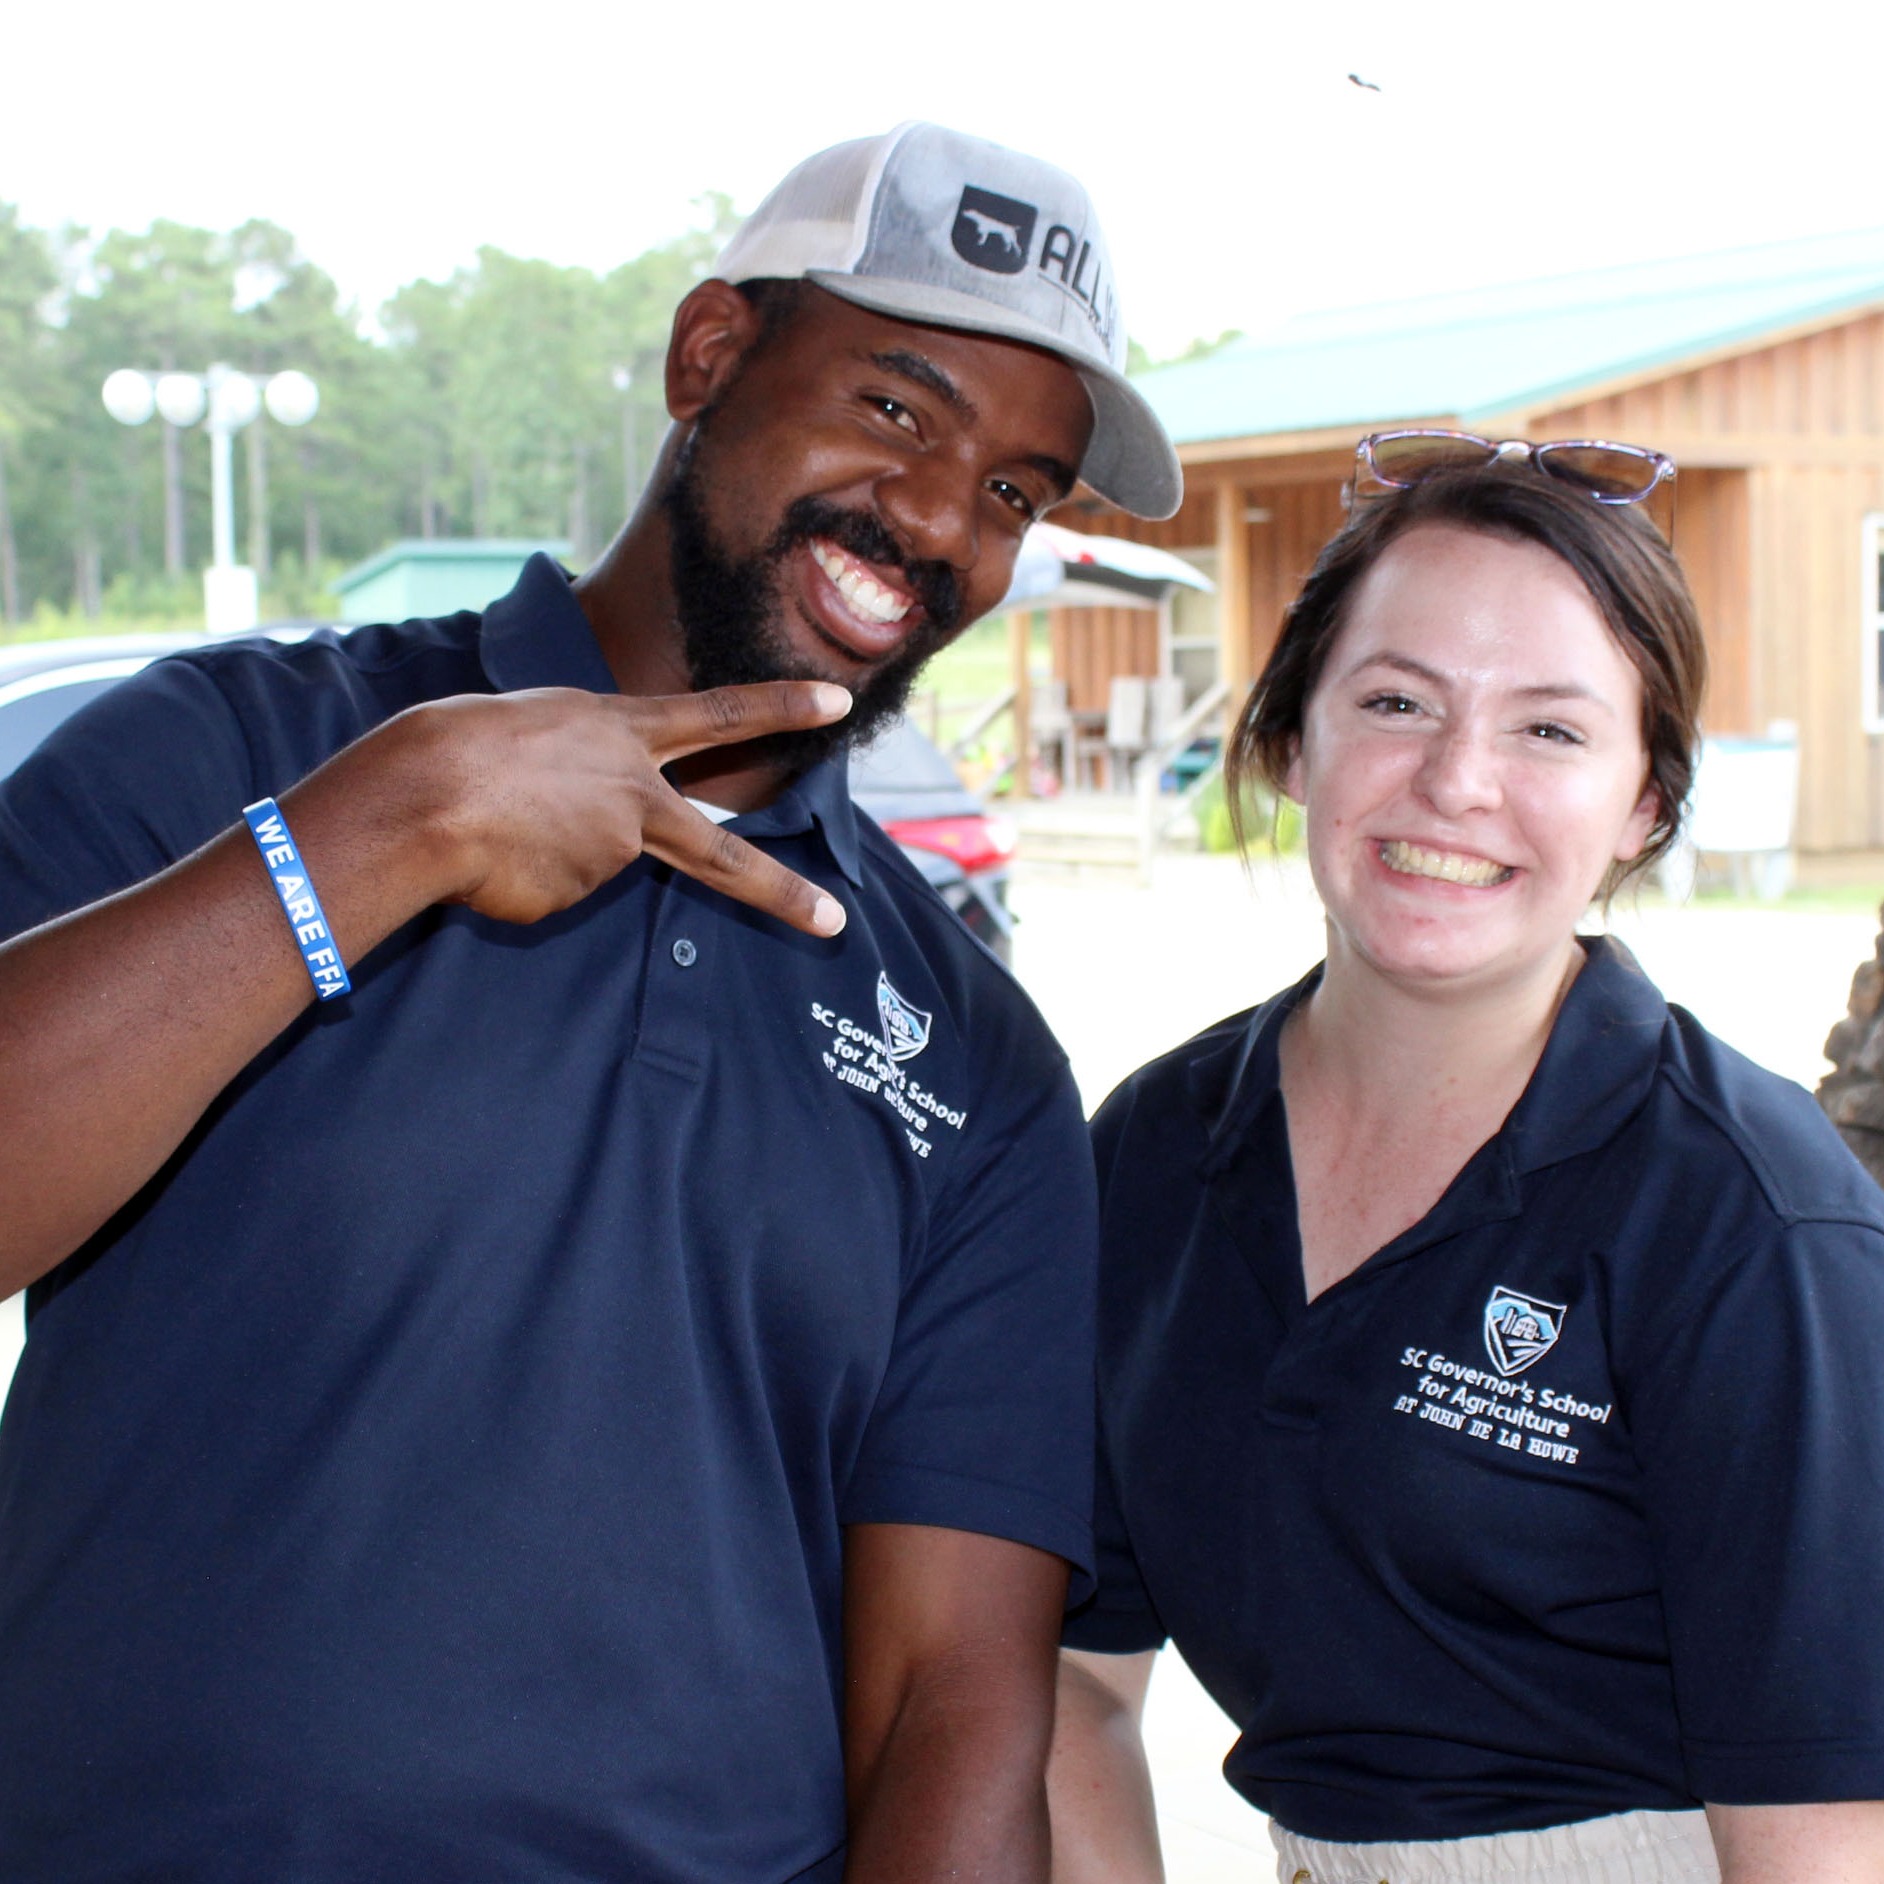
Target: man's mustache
<point>862,535</point>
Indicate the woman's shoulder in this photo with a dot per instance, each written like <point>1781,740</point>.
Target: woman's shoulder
<point>1194,1093</point>
<point>1720,1111</point>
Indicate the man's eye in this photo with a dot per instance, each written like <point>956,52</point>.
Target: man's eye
<point>896,412</point>
<point>1014,497</point>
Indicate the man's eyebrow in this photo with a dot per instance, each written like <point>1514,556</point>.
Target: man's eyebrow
<point>1061,475</point>
<point>926,374</point>
<point>922,371</point>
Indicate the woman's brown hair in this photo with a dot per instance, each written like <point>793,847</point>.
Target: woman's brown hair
<point>1629,571</point>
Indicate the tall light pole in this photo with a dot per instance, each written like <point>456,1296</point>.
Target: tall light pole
<point>624,380</point>
<point>224,400</point>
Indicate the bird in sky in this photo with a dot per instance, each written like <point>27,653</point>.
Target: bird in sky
<point>1366,85</point>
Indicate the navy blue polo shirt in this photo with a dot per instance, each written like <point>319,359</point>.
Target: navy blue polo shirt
<point>439,1470</point>
<point>1568,1501</point>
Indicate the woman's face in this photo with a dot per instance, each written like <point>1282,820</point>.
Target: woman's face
<point>1471,762</point>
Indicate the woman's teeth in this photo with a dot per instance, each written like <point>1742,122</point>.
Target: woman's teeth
<point>868,597</point>
<point>1414,860</point>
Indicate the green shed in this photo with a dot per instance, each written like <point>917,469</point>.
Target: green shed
<point>436,575</point>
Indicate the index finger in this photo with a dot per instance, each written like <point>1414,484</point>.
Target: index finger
<point>676,724</point>
<point>679,835</point>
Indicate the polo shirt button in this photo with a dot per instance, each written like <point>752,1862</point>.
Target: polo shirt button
<point>685,953</point>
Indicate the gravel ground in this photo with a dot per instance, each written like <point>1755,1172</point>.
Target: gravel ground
<point>1123,972</point>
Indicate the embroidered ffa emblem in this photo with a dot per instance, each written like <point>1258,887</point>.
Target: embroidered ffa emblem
<point>1520,1329</point>
<point>905,1028</point>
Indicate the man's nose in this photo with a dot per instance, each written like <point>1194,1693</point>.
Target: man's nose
<point>932,508</point>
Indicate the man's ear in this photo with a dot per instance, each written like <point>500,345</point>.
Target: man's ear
<point>712,329</point>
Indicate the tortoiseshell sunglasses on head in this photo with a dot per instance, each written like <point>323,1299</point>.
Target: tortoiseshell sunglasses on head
<point>1610,473</point>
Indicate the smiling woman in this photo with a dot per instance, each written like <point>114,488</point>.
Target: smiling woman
<point>1483,1345</point>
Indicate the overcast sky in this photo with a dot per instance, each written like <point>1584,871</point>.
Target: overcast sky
<point>1240,174</point>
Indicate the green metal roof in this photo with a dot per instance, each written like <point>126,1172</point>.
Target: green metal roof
<point>1487,350</point>
<point>465,550</point>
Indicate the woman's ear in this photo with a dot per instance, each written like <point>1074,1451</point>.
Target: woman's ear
<point>1292,781</point>
<point>713,327</point>
<point>1642,821</point>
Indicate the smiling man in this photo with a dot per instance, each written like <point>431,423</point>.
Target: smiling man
<point>559,1334</point>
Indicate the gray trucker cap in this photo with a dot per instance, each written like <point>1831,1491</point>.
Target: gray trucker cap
<point>931,225</point>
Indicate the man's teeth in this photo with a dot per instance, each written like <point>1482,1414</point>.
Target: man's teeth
<point>864,593</point>
<point>1414,860</point>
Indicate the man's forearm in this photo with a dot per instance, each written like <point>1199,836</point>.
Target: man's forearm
<point>949,1664</point>
<point>957,1792</point>
<point>120,1024</point>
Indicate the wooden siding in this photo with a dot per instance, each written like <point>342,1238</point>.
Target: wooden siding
<point>1785,453</point>
<point>1302,517</point>
<point>1091,645</point>
<point>1781,449</point>
<point>1275,552</point>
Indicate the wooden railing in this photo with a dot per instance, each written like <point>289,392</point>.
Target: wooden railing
<point>1157,812</point>
<point>983,719</point>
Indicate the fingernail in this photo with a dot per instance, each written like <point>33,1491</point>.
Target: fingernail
<point>828,916</point>
<point>833,700</point>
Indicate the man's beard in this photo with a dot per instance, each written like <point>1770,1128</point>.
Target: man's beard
<point>729,609</point>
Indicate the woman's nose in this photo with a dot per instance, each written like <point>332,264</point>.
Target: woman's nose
<point>1460,772</point>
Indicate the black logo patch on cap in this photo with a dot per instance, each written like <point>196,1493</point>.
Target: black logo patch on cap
<point>993,232</point>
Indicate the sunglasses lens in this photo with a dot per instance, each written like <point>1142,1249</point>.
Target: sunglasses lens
<point>1622,476</point>
<point>1407,458</point>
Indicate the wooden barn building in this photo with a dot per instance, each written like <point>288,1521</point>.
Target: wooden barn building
<point>1761,372</point>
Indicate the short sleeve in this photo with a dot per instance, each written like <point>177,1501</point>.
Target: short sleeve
<point>983,1421</point>
<point>1759,1426</point>
<point>1118,1618</point>
<point>133,781</point>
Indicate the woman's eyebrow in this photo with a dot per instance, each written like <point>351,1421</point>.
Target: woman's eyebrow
<point>1565,690</point>
<point>1540,691</point>
<point>1403,663</point>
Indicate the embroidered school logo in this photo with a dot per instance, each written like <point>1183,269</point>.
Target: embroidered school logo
<point>993,232</point>
<point>874,1065</point>
<point>905,1028</point>
<point>1520,1329</point>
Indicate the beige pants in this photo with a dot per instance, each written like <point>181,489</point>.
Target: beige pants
<point>1631,1848</point>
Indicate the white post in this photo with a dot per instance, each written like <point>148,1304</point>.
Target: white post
<point>221,495</point>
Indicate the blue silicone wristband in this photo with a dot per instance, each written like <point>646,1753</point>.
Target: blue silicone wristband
<point>306,919</point>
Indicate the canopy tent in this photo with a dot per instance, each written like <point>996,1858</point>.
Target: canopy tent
<point>1061,568</point>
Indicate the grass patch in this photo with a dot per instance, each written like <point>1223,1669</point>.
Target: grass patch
<point>970,673</point>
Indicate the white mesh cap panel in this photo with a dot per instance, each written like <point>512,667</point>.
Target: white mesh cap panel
<point>814,218</point>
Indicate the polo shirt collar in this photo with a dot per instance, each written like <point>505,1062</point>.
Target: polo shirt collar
<point>538,636</point>
<point>1598,1065</point>
<point>820,797</point>
<point>1595,1070</point>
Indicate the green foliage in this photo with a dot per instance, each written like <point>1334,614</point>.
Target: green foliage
<point>1139,359</point>
<point>492,403</point>
<point>1273,824</point>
